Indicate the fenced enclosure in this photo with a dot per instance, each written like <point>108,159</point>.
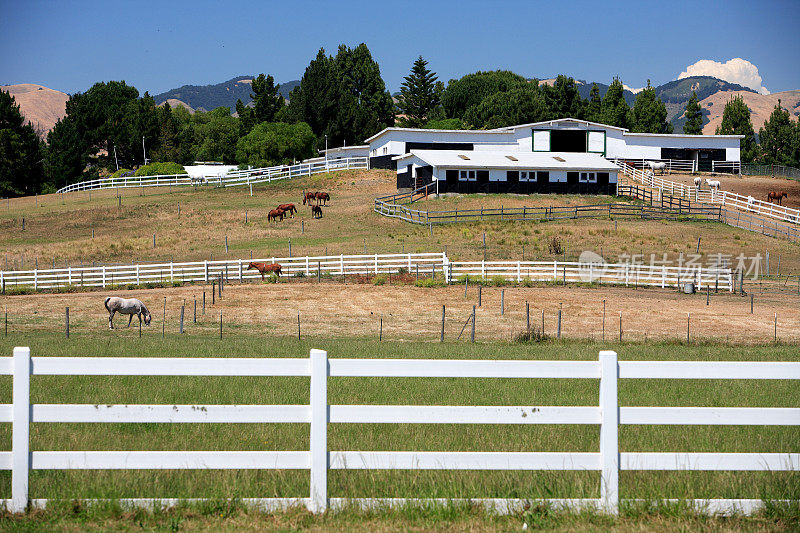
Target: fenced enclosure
<point>753,169</point>
<point>207,271</point>
<point>242,177</point>
<point>628,274</point>
<point>319,414</point>
<point>672,165</point>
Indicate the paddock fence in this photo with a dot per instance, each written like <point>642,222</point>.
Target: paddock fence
<point>241,177</point>
<point>628,274</point>
<point>752,169</point>
<point>672,165</point>
<point>319,459</point>
<point>711,196</point>
<point>208,271</point>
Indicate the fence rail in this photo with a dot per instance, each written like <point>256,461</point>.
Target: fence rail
<point>319,414</point>
<point>241,177</point>
<point>207,271</point>
<point>712,195</point>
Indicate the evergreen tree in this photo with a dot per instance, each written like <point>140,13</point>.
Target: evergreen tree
<point>420,94</point>
<point>649,113</point>
<point>168,149</point>
<point>614,109</point>
<point>736,121</point>
<point>694,117</point>
<point>563,98</point>
<point>779,138</point>
<point>471,89</point>
<point>267,102</point>
<point>520,105</point>
<point>21,168</point>
<point>592,112</point>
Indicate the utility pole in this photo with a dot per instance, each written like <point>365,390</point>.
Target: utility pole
<point>143,151</point>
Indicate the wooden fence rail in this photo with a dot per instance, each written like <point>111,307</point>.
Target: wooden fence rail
<point>318,459</point>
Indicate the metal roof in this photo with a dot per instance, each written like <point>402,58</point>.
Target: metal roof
<point>558,121</point>
<point>513,160</point>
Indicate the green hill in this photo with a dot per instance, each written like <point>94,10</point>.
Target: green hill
<point>225,94</point>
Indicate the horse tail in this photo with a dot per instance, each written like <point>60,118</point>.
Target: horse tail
<point>106,303</point>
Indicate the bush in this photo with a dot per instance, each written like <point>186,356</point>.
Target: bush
<point>380,279</point>
<point>429,283</point>
<point>533,335</point>
<point>123,172</point>
<point>155,169</point>
<point>555,246</point>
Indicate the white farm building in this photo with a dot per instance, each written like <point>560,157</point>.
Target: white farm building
<point>563,155</point>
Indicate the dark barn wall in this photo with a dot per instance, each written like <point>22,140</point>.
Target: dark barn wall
<point>404,179</point>
<point>512,185</point>
<point>439,146</point>
<point>382,161</point>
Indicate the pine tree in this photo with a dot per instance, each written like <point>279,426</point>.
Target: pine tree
<point>592,111</point>
<point>21,169</point>
<point>736,121</point>
<point>694,117</point>
<point>615,110</point>
<point>649,113</point>
<point>563,98</point>
<point>420,94</point>
<point>779,138</point>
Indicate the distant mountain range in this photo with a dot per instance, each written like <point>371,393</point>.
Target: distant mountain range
<point>43,106</point>
<point>225,94</point>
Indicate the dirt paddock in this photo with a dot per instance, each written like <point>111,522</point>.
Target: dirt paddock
<point>414,313</point>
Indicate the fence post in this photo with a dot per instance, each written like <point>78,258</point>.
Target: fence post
<point>20,432</point>
<point>609,432</point>
<point>319,431</point>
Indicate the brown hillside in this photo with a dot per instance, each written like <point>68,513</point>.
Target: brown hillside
<point>41,106</point>
<point>761,106</point>
<point>174,102</point>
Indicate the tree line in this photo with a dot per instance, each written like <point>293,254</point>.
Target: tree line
<point>341,100</point>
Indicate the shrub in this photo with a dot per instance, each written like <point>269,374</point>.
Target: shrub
<point>555,246</point>
<point>154,169</point>
<point>532,335</point>
<point>380,279</point>
<point>122,172</point>
<point>299,274</point>
<point>428,283</point>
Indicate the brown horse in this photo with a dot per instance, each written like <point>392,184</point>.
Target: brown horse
<point>316,211</point>
<point>265,268</point>
<point>776,195</point>
<point>275,215</point>
<point>309,197</point>
<point>323,197</point>
<point>288,208</point>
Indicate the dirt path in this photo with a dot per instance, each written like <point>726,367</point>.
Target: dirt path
<point>756,186</point>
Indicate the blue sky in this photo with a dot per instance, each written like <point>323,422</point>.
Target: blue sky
<point>158,46</point>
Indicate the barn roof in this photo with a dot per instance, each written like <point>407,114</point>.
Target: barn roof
<point>512,160</point>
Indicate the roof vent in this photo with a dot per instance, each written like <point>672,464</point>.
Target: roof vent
<point>462,156</point>
<point>511,157</point>
<point>559,159</point>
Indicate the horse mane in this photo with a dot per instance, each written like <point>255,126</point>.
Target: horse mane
<point>144,307</point>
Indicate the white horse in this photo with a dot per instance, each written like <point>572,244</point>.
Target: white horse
<point>697,182</point>
<point>126,306</point>
<point>714,184</point>
<point>657,166</point>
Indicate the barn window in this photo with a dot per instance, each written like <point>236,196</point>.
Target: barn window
<point>385,149</point>
<point>527,175</point>
<point>467,175</point>
<point>588,177</point>
<point>543,175</point>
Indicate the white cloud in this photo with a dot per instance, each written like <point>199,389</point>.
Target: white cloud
<point>631,89</point>
<point>737,70</point>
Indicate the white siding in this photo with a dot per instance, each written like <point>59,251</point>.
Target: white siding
<point>541,141</point>
<point>597,141</point>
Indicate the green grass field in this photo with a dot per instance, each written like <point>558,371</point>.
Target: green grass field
<point>242,484</point>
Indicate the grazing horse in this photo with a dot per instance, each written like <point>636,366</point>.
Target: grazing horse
<point>265,268</point>
<point>316,211</point>
<point>288,208</point>
<point>323,197</point>
<point>275,214</point>
<point>126,306</point>
<point>697,182</point>
<point>309,197</point>
<point>777,195</point>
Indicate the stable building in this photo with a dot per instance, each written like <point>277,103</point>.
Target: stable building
<point>482,171</point>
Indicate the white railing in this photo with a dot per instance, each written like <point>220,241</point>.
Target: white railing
<point>239,177</point>
<point>319,414</point>
<point>628,274</point>
<point>672,165</point>
<point>207,271</point>
<point>711,196</point>
<point>726,167</point>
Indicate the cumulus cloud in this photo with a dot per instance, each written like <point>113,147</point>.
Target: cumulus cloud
<point>737,70</point>
<point>631,89</point>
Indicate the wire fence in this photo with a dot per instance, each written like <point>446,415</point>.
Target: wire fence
<point>752,169</point>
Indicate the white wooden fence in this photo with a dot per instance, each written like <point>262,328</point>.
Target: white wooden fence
<point>241,177</point>
<point>319,459</point>
<point>711,196</point>
<point>207,271</point>
<point>628,274</point>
